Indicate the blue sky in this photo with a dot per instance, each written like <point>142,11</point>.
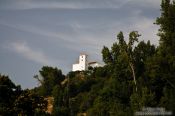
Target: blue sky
<point>34,33</point>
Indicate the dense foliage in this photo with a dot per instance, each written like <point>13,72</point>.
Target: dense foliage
<point>14,101</point>
<point>136,74</point>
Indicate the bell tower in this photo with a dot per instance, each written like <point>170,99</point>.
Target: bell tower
<point>83,62</point>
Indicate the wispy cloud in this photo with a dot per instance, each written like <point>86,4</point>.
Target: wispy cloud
<point>68,4</point>
<point>54,36</point>
<point>74,4</point>
<point>27,52</point>
<point>79,32</point>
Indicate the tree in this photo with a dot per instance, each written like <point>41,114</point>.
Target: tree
<point>133,37</point>
<point>107,57</point>
<point>15,101</point>
<point>142,52</point>
<point>160,69</point>
<point>143,99</point>
<point>167,27</point>
<point>48,78</point>
<point>8,93</point>
<point>122,52</point>
<point>29,104</point>
<point>60,105</point>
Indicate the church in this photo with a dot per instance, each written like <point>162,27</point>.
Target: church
<point>83,63</point>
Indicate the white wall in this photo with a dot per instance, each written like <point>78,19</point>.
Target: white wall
<point>83,62</point>
<point>75,67</point>
<point>82,65</point>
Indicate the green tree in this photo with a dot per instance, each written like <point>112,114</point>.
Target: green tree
<point>133,37</point>
<point>29,104</point>
<point>144,98</point>
<point>48,78</point>
<point>60,105</point>
<point>14,101</point>
<point>167,27</point>
<point>8,93</point>
<point>122,52</point>
<point>107,57</point>
<point>160,69</point>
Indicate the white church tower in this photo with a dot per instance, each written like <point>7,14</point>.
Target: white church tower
<point>82,65</point>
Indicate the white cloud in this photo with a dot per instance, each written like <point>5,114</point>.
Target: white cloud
<point>37,56</point>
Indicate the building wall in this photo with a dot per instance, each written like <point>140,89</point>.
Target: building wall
<point>75,67</point>
<point>83,62</point>
<point>82,65</point>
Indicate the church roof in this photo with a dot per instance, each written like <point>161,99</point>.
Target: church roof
<point>92,62</point>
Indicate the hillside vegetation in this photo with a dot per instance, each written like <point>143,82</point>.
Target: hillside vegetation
<point>136,74</point>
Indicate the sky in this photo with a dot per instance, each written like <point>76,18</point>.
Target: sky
<point>37,33</point>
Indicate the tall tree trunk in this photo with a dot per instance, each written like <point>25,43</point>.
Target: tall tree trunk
<point>133,74</point>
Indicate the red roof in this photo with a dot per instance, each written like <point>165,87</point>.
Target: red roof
<point>92,62</point>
